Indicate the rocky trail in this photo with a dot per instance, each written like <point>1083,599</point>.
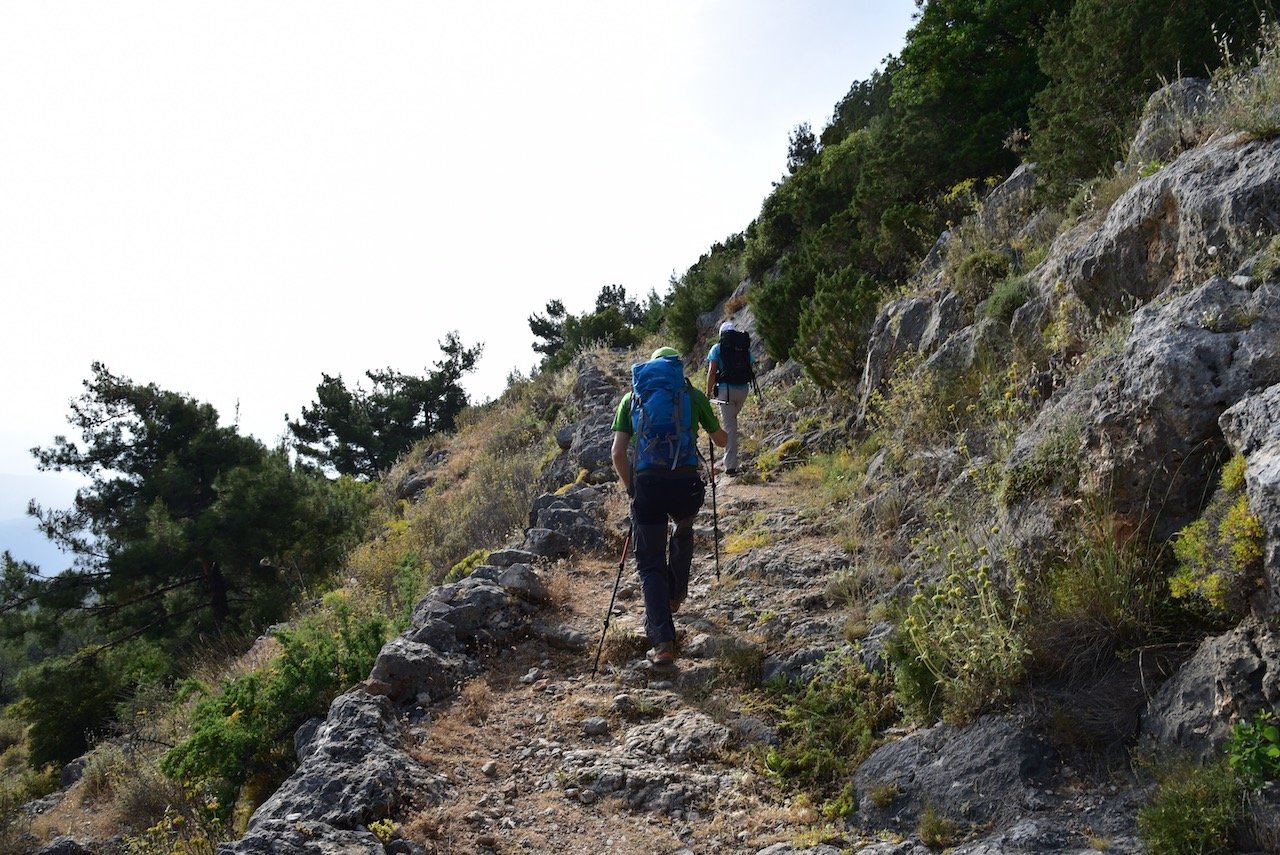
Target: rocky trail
<point>540,756</point>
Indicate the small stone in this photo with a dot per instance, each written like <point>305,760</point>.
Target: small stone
<point>490,769</point>
<point>293,817</point>
<point>595,726</point>
<point>587,797</point>
<point>486,840</point>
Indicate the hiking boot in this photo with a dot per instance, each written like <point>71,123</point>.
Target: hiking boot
<point>663,655</point>
<point>731,471</point>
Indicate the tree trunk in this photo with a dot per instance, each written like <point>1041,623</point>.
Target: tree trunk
<point>216,584</point>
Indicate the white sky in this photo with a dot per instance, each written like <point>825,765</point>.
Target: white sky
<point>229,198</point>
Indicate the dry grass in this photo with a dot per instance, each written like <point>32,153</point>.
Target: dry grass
<point>476,702</point>
<point>622,644</point>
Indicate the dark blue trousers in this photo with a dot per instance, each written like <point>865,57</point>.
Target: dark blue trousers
<point>663,558</point>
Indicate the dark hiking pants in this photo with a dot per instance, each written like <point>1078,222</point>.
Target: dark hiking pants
<point>663,497</point>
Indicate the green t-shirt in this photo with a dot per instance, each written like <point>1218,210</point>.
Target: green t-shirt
<point>702,413</point>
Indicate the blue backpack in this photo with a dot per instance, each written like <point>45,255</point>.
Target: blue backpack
<point>662,415</point>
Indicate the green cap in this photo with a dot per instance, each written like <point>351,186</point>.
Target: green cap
<point>666,351</point>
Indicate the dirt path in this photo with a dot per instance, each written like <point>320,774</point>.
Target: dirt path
<point>504,743</point>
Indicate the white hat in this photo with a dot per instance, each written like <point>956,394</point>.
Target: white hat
<point>727,326</point>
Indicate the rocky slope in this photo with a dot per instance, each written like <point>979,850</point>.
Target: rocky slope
<point>485,728</point>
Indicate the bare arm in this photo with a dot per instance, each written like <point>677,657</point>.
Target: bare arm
<point>711,379</point>
<point>621,464</point>
<point>720,438</point>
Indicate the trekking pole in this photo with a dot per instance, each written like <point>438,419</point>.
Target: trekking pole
<point>715,514</point>
<point>609,614</point>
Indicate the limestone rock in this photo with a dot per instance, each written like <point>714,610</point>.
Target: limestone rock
<point>1152,429</point>
<point>1231,677</point>
<point>1170,121</point>
<point>1252,427</point>
<point>987,772</point>
<point>356,772</point>
<point>1171,227</point>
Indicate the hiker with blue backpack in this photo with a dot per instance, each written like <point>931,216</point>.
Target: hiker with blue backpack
<point>730,372</point>
<point>660,416</point>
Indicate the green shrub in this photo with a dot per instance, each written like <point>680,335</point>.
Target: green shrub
<point>1195,810</point>
<point>463,568</point>
<point>712,278</point>
<point>1057,458</point>
<point>978,271</point>
<point>12,732</point>
<point>19,784</point>
<point>1254,750</point>
<point>1268,265</point>
<point>1007,297</point>
<point>1106,579</point>
<point>826,728</point>
<point>937,831</point>
<point>1220,554</point>
<point>67,698</point>
<point>962,640</point>
<point>777,302</point>
<point>833,326</point>
<point>919,408</point>
<point>245,728</point>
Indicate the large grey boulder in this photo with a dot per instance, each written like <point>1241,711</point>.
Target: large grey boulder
<point>407,671</point>
<point>298,837</point>
<point>988,772</point>
<point>920,323</point>
<point>1152,437</point>
<point>547,543</point>
<point>1176,226</point>
<point>1171,121</point>
<point>581,528</point>
<point>586,441</point>
<point>63,846</point>
<point>1252,427</point>
<point>481,611</point>
<point>1062,835</point>
<point>356,771</point>
<point>576,497</point>
<point>1231,677</point>
<point>964,348</point>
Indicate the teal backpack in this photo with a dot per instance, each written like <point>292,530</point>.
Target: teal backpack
<point>662,415</point>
